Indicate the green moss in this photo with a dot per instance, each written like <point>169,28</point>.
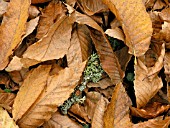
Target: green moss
<point>7,90</point>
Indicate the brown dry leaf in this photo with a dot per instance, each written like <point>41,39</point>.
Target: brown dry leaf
<point>117,113</point>
<point>167,66</point>
<point>159,63</point>
<point>50,15</point>
<point>3,7</point>
<point>16,76</point>
<point>79,111</point>
<point>150,111</point>
<point>39,1</point>
<point>115,23</point>
<point>136,23</point>
<point>168,92</point>
<point>14,64</point>
<point>103,84</point>
<point>165,33</point>
<point>5,120</point>
<point>97,121</point>
<point>116,33</point>
<point>55,44</point>
<point>7,100</point>
<point>124,57</point>
<point>80,47</point>
<point>60,121</point>
<point>108,59</point>
<point>33,12</point>
<point>13,22</point>
<point>154,123</point>
<point>159,5</point>
<point>95,106</point>
<point>164,14</point>
<point>145,88</point>
<point>93,6</point>
<point>71,2</point>
<point>30,90</point>
<point>58,89</point>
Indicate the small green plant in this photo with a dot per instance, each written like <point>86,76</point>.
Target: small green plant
<point>92,73</point>
<point>7,90</point>
<point>130,76</point>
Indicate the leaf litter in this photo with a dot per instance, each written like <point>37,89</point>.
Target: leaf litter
<point>84,63</point>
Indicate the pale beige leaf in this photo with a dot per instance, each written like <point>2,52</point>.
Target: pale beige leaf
<point>108,59</point>
<point>136,23</point>
<point>58,89</point>
<point>93,6</point>
<point>5,120</point>
<point>103,84</point>
<point>30,90</point>
<point>154,123</point>
<point>116,33</point>
<point>117,113</point>
<point>80,47</point>
<point>12,28</point>
<point>61,121</point>
<point>145,88</point>
<point>166,31</point>
<point>51,14</point>
<point>14,64</point>
<point>26,62</point>
<point>55,44</point>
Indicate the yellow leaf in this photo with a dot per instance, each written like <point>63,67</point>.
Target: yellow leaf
<point>136,23</point>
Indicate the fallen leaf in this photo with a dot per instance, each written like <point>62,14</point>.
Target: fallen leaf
<point>79,111</point>
<point>5,120</point>
<point>97,121</point>
<point>14,64</point>
<point>124,57</point>
<point>13,22</point>
<point>116,33</point>
<point>154,123</point>
<point>164,14</point>
<point>108,59</point>
<point>80,48</point>
<point>167,66</point>
<point>33,12</point>
<point>103,84</point>
<point>7,100</point>
<point>92,7</point>
<point>145,88</point>
<point>58,89</point>
<point>39,1</point>
<point>30,90</point>
<point>136,24</point>
<point>3,7</point>
<point>60,121</point>
<point>95,106</point>
<point>117,112</point>
<point>159,5</point>
<point>55,44</point>
<point>50,15</point>
<point>150,111</point>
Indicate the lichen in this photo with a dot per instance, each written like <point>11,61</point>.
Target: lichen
<point>92,73</point>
